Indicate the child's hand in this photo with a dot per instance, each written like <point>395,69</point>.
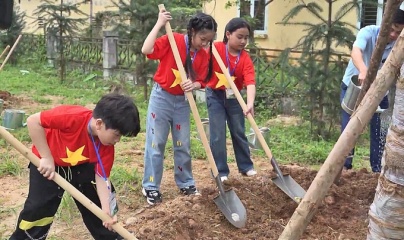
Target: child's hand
<point>164,17</point>
<point>47,168</point>
<point>250,109</point>
<point>187,85</point>
<point>108,224</point>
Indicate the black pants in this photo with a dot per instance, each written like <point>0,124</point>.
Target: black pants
<point>44,198</point>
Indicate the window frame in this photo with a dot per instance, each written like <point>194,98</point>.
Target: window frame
<point>252,8</point>
<point>379,14</point>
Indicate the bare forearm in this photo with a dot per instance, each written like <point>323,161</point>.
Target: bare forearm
<point>250,94</point>
<point>357,59</point>
<point>103,192</point>
<point>148,44</point>
<point>38,136</point>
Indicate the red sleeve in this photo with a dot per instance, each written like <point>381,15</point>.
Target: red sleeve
<point>248,70</point>
<point>59,118</point>
<point>160,49</point>
<point>107,159</point>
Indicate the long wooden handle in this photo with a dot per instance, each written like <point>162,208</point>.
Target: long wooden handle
<point>4,51</point>
<point>11,51</point>
<point>241,101</point>
<point>65,184</point>
<point>190,97</point>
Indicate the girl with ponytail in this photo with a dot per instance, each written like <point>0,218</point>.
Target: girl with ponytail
<point>168,108</point>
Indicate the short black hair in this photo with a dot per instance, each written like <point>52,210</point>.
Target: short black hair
<point>398,17</point>
<point>118,112</point>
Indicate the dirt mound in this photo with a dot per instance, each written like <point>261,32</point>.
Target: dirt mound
<point>343,215</point>
<point>9,100</point>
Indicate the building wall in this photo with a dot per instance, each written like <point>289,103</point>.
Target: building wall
<point>278,36</point>
<point>30,6</point>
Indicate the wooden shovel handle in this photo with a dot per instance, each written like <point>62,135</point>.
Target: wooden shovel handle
<point>11,51</point>
<point>4,51</point>
<point>65,184</point>
<point>241,101</point>
<point>190,97</point>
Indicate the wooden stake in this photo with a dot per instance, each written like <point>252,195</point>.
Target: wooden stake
<point>11,51</point>
<point>335,160</point>
<point>4,51</point>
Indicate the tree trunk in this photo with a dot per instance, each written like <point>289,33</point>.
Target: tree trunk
<point>386,218</point>
<point>335,160</point>
<point>391,7</point>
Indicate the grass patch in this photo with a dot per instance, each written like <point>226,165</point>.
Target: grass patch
<point>288,143</point>
<point>125,179</point>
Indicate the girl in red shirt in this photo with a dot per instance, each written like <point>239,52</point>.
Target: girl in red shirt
<point>222,104</point>
<point>168,108</point>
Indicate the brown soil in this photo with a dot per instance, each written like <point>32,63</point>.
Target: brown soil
<point>343,214</point>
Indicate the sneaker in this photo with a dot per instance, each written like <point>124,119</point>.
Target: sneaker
<point>250,173</point>
<point>224,178</point>
<point>152,196</point>
<point>191,190</point>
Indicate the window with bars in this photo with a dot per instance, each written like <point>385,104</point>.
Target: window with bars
<point>371,12</point>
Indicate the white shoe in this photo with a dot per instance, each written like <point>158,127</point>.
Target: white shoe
<point>251,172</point>
<point>223,178</point>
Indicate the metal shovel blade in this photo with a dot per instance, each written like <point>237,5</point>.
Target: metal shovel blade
<point>287,184</point>
<point>230,205</point>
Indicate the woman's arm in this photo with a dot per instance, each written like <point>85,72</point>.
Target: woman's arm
<point>148,44</point>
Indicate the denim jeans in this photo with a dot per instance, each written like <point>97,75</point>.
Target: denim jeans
<point>376,144</point>
<point>165,112</point>
<point>221,110</point>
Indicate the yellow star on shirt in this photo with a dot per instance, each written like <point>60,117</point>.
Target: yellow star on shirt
<point>222,80</point>
<point>177,79</point>
<point>74,157</point>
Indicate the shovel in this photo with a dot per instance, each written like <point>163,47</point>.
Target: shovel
<point>65,184</point>
<point>227,201</point>
<point>285,182</point>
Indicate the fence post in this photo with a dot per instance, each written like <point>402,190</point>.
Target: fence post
<point>110,52</point>
<point>51,46</point>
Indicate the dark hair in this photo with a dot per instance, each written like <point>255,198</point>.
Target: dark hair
<point>398,17</point>
<point>233,25</point>
<point>199,22</point>
<point>118,112</point>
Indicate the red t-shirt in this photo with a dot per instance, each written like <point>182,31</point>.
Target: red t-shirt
<point>167,74</point>
<point>66,129</point>
<point>244,73</point>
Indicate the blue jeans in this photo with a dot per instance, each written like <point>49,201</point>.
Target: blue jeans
<point>221,110</point>
<point>376,143</point>
<point>165,112</point>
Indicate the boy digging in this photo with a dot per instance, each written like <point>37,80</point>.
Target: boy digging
<point>78,144</point>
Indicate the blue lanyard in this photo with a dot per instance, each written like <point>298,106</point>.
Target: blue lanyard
<point>187,46</point>
<point>231,71</point>
<point>96,148</point>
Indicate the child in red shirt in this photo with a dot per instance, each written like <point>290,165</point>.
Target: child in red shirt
<point>168,108</point>
<point>78,144</point>
<point>222,104</point>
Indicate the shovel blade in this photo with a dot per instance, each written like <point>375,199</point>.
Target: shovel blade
<point>290,187</point>
<point>232,208</point>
